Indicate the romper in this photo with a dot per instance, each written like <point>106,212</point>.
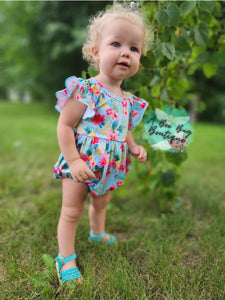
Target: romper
<point>101,134</point>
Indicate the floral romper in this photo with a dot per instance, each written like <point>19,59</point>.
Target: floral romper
<point>101,134</point>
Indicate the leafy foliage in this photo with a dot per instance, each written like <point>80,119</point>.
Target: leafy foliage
<point>189,40</point>
<point>40,47</point>
<point>41,44</point>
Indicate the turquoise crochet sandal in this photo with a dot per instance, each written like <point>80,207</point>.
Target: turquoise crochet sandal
<point>69,274</point>
<point>98,238</point>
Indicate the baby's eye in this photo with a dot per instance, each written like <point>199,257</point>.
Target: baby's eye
<point>115,44</point>
<point>134,49</point>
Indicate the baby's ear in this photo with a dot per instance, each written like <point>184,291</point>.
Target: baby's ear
<point>94,51</point>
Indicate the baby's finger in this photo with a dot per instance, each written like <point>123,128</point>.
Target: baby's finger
<point>85,176</point>
<point>143,158</point>
<point>90,174</point>
<point>77,179</point>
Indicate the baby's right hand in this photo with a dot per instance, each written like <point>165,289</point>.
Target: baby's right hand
<point>80,171</point>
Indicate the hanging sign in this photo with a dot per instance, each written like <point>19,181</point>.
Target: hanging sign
<point>168,129</point>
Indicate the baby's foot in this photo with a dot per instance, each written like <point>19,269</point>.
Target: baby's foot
<point>67,269</point>
<point>108,239</point>
<point>70,265</point>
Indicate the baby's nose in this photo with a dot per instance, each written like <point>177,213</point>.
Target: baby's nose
<point>125,52</point>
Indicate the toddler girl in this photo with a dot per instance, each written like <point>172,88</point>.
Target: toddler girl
<point>94,129</point>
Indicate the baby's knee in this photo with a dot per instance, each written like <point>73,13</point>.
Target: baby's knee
<point>100,202</point>
<point>71,214</point>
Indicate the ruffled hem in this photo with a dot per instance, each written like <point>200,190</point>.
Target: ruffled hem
<point>138,108</point>
<point>83,95</point>
<point>110,162</point>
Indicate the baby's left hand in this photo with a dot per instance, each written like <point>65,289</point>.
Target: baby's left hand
<point>138,152</point>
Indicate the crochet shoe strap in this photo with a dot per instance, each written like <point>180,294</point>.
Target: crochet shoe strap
<point>63,260</point>
<point>96,237</point>
<point>70,274</point>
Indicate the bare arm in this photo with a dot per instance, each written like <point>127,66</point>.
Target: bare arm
<point>130,140</point>
<point>135,150</point>
<point>68,120</point>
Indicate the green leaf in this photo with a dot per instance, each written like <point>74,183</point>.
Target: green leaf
<point>168,50</point>
<point>207,6</point>
<point>173,14</point>
<point>186,7</point>
<point>48,261</point>
<point>162,17</point>
<point>201,34</point>
<point>181,44</point>
<point>155,90</point>
<point>176,158</point>
<point>178,203</point>
<point>167,178</point>
<point>148,61</point>
<point>209,69</point>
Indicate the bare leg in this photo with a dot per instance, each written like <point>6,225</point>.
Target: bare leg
<point>97,213</point>
<point>74,195</point>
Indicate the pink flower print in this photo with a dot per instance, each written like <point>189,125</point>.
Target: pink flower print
<point>95,140</point>
<point>85,157</point>
<point>128,160</point>
<point>98,119</point>
<point>90,89</point>
<point>97,93</point>
<point>122,168</point>
<point>135,113</point>
<point>94,193</point>
<point>98,174</point>
<point>130,125</point>
<point>115,115</point>
<point>112,112</point>
<point>100,84</point>
<point>119,183</point>
<point>112,163</point>
<point>113,136</point>
<point>58,170</point>
<point>109,111</point>
<point>142,105</point>
<point>112,188</point>
<point>66,92</point>
<point>124,103</point>
<point>121,146</point>
<point>79,97</point>
<point>128,99</point>
<point>104,159</point>
<point>107,173</point>
<point>92,164</point>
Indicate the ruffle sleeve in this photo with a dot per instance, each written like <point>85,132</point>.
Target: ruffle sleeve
<point>138,107</point>
<point>84,95</point>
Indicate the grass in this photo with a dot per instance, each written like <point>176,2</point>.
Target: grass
<point>167,256</point>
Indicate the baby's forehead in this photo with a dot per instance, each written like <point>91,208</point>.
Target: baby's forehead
<point>121,26</point>
<point>120,21</point>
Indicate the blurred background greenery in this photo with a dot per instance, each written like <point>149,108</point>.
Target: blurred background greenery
<point>40,45</point>
<point>170,225</point>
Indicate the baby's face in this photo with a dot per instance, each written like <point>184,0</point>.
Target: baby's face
<point>119,51</point>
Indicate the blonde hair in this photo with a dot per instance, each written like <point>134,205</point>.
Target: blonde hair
<point>96,25</point>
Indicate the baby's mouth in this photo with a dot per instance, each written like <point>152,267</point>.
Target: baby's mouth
<point>123,64</point>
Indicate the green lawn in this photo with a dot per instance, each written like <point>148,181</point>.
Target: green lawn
<point>177,255</point>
